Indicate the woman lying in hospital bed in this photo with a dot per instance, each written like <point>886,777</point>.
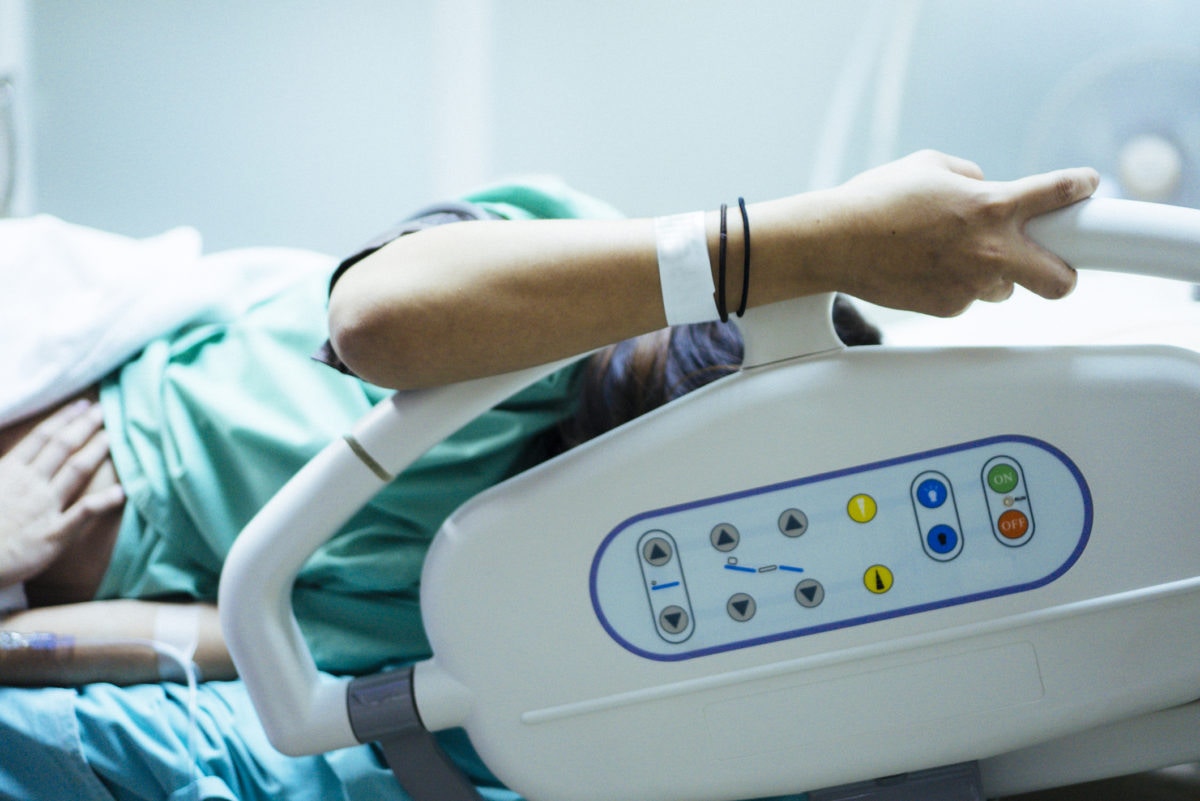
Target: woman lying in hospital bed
<point>204,425</point>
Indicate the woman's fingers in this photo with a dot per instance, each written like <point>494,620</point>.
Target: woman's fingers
<point>90,506</point>
<point>1032,266</point>
<point>1039,194</point>
<point>72,477</point>
<point>1043,273</point>
<point>1000,291</point>
<point>59,450</point>
<point>963,167</point>
<point>46,489</point>
<point>54,443</point>
<point>65,450</point>
<point>30,446</point>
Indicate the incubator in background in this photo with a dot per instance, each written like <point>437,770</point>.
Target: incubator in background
<point>1028,88</point>
<point>1023,90</point>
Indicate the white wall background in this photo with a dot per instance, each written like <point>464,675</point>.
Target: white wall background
<point>315,124</point>
<point>15,137</point>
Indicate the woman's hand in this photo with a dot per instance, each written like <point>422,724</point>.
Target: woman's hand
<point>44,477</point>
<point>927,233</point>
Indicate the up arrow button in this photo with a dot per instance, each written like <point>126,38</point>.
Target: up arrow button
<point>793,523</point>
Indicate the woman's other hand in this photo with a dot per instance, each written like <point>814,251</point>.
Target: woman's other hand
<point>44,499</point>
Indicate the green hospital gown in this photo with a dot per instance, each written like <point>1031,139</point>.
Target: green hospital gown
<point>208,424</point>
<point>205,426</point>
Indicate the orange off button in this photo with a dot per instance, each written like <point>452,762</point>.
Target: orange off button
<point>1013,524</point>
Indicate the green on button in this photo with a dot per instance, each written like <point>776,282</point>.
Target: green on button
<point>1002,478</point>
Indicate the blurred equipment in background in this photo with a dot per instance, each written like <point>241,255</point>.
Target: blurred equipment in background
<point>1133,115</point>
<point>8,146</point>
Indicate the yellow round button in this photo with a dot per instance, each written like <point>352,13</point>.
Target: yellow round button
<point>878,579</point>
<point>861,508</point>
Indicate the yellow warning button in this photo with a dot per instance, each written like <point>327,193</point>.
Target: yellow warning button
<point>861,508</point>
<point>878,579</point>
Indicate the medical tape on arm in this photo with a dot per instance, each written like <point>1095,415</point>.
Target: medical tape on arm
<point>684,269</point>
<point>176,626</point>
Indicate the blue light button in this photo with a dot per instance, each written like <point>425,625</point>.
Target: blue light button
<point>931,493</point>
<point>942,539</point>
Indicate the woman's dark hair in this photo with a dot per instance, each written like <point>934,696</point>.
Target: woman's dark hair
<point>630,378</point>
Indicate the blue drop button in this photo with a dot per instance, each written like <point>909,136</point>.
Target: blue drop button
<point>942,539</point>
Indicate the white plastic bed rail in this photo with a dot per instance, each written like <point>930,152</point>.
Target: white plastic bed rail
<point>305,711</point>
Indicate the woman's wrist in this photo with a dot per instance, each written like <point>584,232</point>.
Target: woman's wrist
<point>43,659</point>
<point>796,245</point>
<point>34,659</point>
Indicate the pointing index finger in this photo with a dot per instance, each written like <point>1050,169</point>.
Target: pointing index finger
<point>1039,194</point>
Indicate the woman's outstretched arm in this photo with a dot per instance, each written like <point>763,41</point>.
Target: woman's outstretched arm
<point>110,641</point>
<point>926,233</point>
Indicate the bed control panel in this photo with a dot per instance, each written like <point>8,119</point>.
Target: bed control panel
<point>897,537</point>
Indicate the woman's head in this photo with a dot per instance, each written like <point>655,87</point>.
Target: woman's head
<point>628,379</point>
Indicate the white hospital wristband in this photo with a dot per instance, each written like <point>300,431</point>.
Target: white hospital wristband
<point>12,599</point>
<point>684,269</point>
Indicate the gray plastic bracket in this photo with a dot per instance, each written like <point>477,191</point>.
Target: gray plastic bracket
<point>383,709</point>
<point>950,783</point>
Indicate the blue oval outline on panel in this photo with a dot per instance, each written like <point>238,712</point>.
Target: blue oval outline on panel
<point>1058,454</point>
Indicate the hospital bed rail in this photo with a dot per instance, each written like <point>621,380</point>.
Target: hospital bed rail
<point>1034,607</point>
